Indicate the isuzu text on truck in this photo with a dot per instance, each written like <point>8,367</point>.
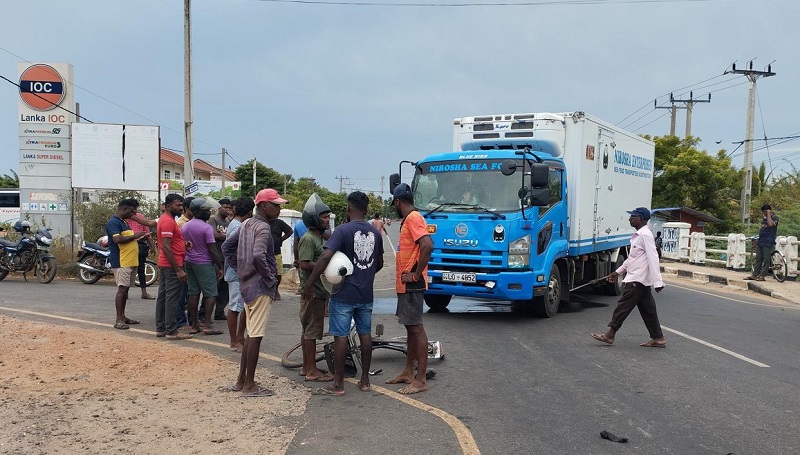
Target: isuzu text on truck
<point>530,206</point>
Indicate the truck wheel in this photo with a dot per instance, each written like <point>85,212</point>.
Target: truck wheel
<point>437,302</point>
<point>546,306</point>
<point>615,288</point>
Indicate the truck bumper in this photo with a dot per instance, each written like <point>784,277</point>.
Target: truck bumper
<point>499,286</point>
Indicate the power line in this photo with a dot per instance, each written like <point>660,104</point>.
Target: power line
<point>665,94</point>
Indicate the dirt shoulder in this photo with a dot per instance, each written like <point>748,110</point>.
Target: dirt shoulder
<point>69,390</point>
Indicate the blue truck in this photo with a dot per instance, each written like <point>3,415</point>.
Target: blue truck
<point>530,206</point>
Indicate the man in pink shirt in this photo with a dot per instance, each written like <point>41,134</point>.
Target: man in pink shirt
<point>642,273</point>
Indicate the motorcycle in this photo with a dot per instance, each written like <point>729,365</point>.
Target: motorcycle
<point>31,252</point>
<point>93,264</point>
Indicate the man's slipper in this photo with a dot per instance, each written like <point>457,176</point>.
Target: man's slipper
<point>320,370</point>
<point>121,326</point>
<point>260,392</point>
<point>212,332</point>
<point>601,337</point>
<point>132,322</point>
<point>230,388</point>
<point>328,392</point>
<point>364,389</point>
<point>323,378</point>
<point>148,297</point>
<point>654,344</point>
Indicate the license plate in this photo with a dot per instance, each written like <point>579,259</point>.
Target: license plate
<point>459,277</point>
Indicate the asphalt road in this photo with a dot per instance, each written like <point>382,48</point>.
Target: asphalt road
<point>726,384</point>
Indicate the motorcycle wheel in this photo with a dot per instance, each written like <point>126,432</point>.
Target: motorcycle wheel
<point>3,274</point>
<point>150,274</point>
<point>47,270</point>
<point>89,277</point>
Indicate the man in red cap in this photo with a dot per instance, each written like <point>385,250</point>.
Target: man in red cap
<point>250,252</point>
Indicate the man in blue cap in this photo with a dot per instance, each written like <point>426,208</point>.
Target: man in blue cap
<point>642,273</point>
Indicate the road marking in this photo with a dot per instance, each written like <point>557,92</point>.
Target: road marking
<point>775,305</point>
<point>718,348</point>
<point>465,439</point>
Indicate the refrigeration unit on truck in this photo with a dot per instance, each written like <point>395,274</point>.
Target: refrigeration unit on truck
<point>529,206</point>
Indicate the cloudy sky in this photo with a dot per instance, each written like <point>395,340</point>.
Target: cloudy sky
<point>350,90</point>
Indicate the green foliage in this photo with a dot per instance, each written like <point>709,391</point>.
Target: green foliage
<point>93,216</point>
<point>265,178</point>
<point>9,181</point>
<point>686,176</point>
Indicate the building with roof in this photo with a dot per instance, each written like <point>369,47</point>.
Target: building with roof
<point>696,219</point>
<point>171,168</point>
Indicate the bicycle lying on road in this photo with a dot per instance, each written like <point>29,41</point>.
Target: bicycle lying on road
<point>293,358</point>
<point>778,267</point>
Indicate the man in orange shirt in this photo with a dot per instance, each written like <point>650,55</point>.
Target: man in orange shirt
<point>414,251</point>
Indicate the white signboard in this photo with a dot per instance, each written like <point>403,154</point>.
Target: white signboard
<point>120,157</point>
<point>44,143</point>
<point>49,130</point>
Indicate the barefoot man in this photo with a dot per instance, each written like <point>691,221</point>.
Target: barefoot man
<point>414,251</point>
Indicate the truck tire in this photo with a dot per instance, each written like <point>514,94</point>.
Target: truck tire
<point>547,305</point>
<point>615,288</point>
<point>437,302</point>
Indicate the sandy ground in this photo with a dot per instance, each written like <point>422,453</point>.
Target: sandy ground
<point>68,390</point>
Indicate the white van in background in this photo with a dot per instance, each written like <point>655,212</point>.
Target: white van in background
<point>9,205</point>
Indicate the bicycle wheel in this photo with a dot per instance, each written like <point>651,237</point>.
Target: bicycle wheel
<point>779,267</point>
<point>293,358</point>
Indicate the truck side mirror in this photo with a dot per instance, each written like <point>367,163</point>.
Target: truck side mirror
<point>540,175</point>
<point>394,180</point>
<point>508,167</point>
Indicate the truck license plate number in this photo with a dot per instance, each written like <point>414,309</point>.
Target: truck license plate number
<point>459,277</point>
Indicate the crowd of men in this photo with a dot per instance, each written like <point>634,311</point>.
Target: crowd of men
<point>221,260</point>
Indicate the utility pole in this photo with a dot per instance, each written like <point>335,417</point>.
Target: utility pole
<point>752,75</point>
<point>689,104</point>
<point>674,111</point>
<point>223,172</point>
<point>341,181</point>
<point>382,180</point>
<point>188,171</point>
<point>255,189</point>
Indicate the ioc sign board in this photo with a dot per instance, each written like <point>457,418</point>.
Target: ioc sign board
<point>41,87</point>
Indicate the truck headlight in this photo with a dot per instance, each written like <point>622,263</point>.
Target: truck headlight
<point>518,261</point>
<point>520,246</point>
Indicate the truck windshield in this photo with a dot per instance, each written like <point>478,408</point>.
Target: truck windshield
<point>465,186</point>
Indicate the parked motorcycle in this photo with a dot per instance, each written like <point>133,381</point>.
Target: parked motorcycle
<point>31,252</point>
<point>93,264</point>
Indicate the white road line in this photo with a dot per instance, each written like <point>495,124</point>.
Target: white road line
<point>718,348</point>
<point>786,305</point>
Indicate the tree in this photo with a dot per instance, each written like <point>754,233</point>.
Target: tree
<point>9,181</point>
<point>266,177</point>
<point>686,176</point>
<point>93,216</point>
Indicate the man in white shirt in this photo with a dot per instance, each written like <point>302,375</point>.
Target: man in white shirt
<point>642,273</point>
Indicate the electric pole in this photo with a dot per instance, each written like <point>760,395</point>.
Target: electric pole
<point>688,105</point>
<point>341,182</point>
<point>223,173</point>
<point>674,111</point>
<point>752,75</point>
<point>255,188</point>
<point>188,165</point>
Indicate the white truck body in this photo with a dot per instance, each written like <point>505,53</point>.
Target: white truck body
<point>609,170</point>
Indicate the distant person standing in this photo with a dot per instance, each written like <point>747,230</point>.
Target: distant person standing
<point>249,250</point>
<point>642,273</point>
<point>140,223</point>
<point>170,264</point>
<point>765,244</point>
<point>659,243</point>
<point>280,232</point>
<point>123,256</point>
<point>414,252</point>
<point>378,224</point>
<point>203,265</point>
<point>242,211</point>
<point>219,222</point>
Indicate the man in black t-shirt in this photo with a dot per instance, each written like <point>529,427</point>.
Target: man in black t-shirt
<point>280,232</point>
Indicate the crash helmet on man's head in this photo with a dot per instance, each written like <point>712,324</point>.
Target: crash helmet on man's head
<point>312,211</point>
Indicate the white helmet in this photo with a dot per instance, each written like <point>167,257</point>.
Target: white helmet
<point>339,267</point>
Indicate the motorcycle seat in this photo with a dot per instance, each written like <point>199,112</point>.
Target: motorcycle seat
<point>5,242</point>
<point>96,246</point>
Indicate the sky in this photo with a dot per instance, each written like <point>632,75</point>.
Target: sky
<point>343,93</point>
